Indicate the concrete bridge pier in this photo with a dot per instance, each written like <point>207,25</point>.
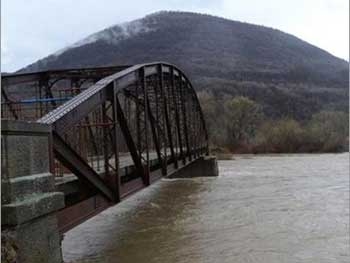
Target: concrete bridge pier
<point>205,166</point>
<point>29,231</point>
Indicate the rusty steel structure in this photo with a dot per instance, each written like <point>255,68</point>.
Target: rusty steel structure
<point>115,130</point>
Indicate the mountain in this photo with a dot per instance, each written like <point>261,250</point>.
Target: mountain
<point>285,74</point>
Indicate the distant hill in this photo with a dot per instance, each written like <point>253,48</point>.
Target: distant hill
<point>285,74</point>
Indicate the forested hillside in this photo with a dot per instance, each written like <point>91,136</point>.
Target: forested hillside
<point>285,76</point>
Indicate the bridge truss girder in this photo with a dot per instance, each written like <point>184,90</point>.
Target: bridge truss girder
<point>149,112</point>
<point>147,103</point>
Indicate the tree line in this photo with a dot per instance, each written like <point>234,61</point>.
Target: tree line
<point>238,124</point>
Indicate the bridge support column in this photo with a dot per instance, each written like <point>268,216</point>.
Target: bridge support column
<point>29,230</point>
<point>205,166</point>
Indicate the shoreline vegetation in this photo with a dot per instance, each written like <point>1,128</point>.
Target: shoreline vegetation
<point>228,156</point>
<point>239,125</point>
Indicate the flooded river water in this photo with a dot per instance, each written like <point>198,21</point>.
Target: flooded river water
<point>282,208</point>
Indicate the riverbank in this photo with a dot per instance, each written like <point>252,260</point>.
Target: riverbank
<point>225,153</point>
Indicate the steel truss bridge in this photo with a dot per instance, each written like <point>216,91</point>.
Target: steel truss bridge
<point>115,130</point>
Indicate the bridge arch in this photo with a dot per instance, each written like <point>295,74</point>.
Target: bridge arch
<point>148,114</point>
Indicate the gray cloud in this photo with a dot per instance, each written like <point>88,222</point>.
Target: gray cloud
<point>32,29</point>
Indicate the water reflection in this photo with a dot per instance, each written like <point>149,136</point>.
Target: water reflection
<point>260,209</point>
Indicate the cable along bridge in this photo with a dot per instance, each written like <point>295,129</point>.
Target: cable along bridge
<point>115,130</point>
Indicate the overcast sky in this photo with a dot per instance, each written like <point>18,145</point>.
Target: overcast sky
<point>33,29</point>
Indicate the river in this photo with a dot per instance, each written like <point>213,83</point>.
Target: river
<point>266,208</point>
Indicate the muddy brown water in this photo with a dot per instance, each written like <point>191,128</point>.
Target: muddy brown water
<point>282,208</point>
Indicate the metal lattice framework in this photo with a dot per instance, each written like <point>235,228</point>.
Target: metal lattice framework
<point>124,131</point>
<point>154,108</point>
<point>29,96</point>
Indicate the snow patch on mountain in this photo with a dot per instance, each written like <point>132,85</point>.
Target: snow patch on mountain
<point>112,35</point>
